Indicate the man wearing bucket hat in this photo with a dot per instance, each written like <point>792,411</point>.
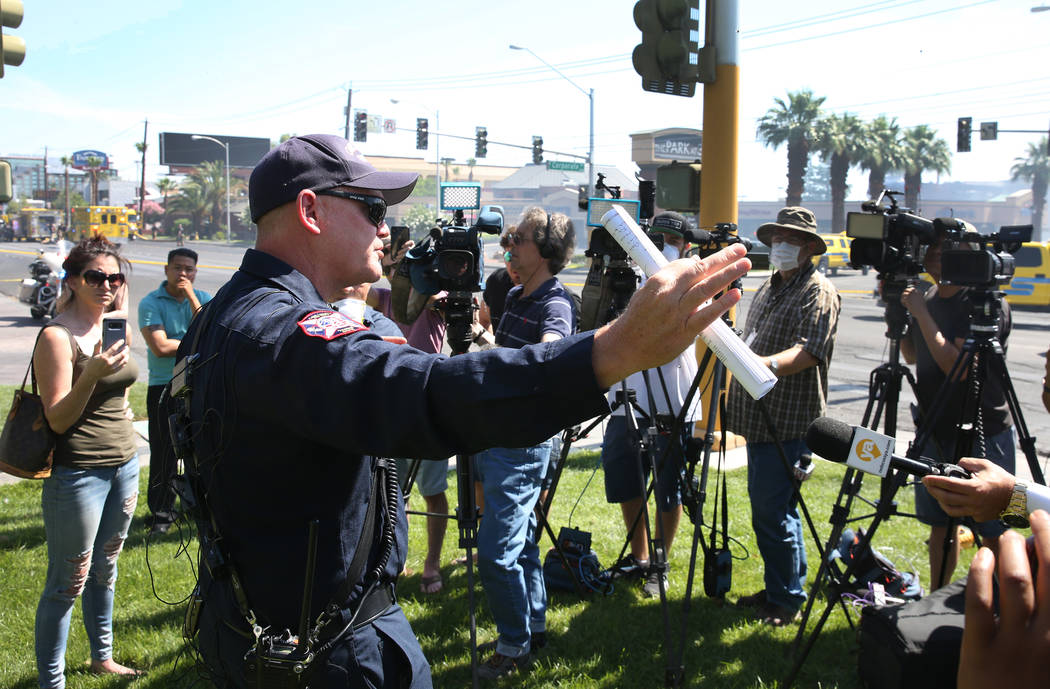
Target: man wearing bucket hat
<point>281,401</point>
<point>791,323</point>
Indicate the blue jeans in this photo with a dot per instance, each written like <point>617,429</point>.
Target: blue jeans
<point>87,513</point>
<point>778,529</point>
<point>508,556</point>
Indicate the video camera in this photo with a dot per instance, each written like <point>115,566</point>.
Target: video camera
<point>889,239</point>
<point>451,259</point>
<point>987,262</point>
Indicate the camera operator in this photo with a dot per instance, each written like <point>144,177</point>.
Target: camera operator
<point>540,309</point>
<point>283,420</point>
<point>494,296</point>
<point>939,325</point>
<point>624,467</point>
<point>791,322</point>
<point>427,334</point>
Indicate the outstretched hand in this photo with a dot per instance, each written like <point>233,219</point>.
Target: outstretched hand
<point>1010,651</point>
<point>667,314</point>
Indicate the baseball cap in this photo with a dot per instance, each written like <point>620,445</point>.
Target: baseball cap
<point>670,222</point>
<point>318,162</point>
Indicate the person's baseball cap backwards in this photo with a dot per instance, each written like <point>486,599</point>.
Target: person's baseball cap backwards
<point>319,162</point>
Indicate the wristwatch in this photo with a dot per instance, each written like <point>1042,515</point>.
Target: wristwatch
<point>1016,513</point>
<point>773,364</point>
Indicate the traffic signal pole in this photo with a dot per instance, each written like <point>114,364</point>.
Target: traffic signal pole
<point>721,128</point>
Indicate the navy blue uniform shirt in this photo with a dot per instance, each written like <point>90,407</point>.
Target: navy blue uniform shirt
<point>290,400</point>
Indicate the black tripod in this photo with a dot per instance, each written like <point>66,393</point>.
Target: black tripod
<point>983,357</point>
<point>884,386</point>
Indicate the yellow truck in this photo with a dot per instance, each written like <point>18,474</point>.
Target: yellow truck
<point>30,224</point>
<point>116,223</point>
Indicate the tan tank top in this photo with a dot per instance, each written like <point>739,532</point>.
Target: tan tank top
<point>102,436</point>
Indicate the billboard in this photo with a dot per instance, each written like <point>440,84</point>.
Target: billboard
<point>178,149</point>
<point>80,159</point>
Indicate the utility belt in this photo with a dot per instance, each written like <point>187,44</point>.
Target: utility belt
<point>371,607</point>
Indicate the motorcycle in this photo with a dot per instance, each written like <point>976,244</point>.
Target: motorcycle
<point>42,290</point>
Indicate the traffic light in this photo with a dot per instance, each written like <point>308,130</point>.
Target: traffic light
<point>481,142</point>
<point>422,133</point>
<point>668,58</point>
<point>6,189</point>
<point>962,143</point>
<point>360,126</point>
<point>537,150</point>
<point>12,48</point>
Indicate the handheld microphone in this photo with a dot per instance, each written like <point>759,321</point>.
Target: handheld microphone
<point>870,452</point>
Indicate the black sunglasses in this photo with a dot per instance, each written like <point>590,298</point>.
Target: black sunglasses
<point>95,278</point>
<point>376,205</point>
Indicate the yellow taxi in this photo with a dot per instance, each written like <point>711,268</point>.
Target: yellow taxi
<point>837,255</point>
<point>1030,285</point>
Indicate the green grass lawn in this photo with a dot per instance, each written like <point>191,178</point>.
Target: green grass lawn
<point>602,641</point>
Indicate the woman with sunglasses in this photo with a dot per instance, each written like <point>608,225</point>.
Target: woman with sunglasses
<point>90,497</point>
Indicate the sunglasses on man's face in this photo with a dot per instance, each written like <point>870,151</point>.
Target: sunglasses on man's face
<point>376,205</point>
<point>95,278</point>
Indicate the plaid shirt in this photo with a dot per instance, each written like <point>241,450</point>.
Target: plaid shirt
<point>804,311</point>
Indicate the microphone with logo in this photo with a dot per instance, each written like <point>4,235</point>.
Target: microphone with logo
<point>870,452</point>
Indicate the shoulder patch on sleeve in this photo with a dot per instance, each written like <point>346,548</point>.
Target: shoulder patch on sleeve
<point>329,325</point>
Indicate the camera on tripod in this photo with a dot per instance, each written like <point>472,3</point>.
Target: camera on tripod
<point>451,259</point>
<point>987,263</point>
<point>890,239</point>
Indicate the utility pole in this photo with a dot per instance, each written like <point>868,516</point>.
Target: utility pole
<point>346,127</point>
<point>142,185</point>
<point>47,197</point>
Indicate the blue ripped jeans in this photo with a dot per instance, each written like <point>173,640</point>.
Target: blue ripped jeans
<point>508,557</point>
<point>87,513</point>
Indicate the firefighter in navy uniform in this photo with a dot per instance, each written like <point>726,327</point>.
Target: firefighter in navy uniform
<point>285,415</point>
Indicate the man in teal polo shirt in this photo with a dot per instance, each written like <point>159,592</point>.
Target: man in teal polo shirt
<point>164,315</point>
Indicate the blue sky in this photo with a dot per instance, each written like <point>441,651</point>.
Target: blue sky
<point>94,72</point>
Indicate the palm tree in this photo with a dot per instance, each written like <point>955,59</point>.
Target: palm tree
<point>841,142</point>
<point>793,122</point>
<point>210,176</point>
<point>922,151</point>
<point>1034,168</point>
<point>165,185</point>
<point>66,162</point>
<point>93,164</point>
<point>883,152</point>
<point>194,201</point>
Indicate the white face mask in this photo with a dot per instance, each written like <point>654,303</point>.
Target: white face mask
<point>784,256</point>
<point>671,253</point>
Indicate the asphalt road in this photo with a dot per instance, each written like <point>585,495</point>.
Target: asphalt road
<point>860,347</point>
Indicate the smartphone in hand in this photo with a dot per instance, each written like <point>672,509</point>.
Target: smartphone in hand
<point>113,330</point>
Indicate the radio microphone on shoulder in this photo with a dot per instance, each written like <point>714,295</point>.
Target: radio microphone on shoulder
<point>870,452</point>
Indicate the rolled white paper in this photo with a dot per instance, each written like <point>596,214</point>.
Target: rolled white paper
<point>747,366</point>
